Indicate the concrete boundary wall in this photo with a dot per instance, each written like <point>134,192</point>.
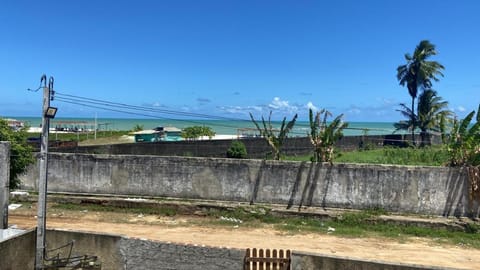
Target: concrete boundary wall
<point>425,190</point>
<point>117,252</point>
<point>18,252</point>
<point>4,183</point>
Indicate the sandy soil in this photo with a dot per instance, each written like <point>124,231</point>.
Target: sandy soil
<point>190,230</point>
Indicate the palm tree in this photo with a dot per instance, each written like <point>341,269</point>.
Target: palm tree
<point>431,115</point>
<point>418,73</point>
<point>432,112</point>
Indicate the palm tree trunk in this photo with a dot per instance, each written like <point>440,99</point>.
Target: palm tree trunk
<point>413,121</point>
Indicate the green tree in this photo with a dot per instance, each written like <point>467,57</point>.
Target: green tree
<point>20,152</point>
<point>418,73</point>
<point>464,151</point>
<point>432,115</point>
<point>275,138</point>
<point>237,150</point>
<point>323,136</point>
<point>195,132</point>
<point>137,127</point>
<point>464,143</point>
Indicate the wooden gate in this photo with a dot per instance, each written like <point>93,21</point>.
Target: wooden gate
<point>267,259</point>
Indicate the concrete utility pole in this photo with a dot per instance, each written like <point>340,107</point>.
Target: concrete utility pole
<point>4,183</point>
<point>42,182</point>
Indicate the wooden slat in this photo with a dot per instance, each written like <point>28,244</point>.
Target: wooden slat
<point>266,259</point>
<point>267,263</point>
<point>288,255</point>
<point>261,263</point>
<point>275,264</point>
<point>246,264</point>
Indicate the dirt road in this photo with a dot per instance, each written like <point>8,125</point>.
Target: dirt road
<point>190,230</point>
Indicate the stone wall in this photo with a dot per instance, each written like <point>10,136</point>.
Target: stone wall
<point>425,190</point>
<point>4,183</point>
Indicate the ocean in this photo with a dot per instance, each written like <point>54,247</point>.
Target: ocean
<point>231,127</point>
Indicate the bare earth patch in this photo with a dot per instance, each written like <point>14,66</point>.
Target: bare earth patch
<point>189,229</point>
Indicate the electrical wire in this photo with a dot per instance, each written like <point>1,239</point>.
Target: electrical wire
<point>157,113</point>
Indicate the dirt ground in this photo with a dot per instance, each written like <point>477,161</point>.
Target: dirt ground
<point>189,229</point>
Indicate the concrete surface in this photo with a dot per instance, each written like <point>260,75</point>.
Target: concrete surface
<point>117,252</point>
<point>4,183</point>
<point>411,189</point>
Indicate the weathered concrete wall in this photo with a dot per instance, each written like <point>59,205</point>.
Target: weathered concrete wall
<point>308,261</point>
<point>4,183</point>
<point>116,252</point>
<point>256,147</point>
<point>426,190</point>
<point>18,253</point>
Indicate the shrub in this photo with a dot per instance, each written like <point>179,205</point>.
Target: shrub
<point>237,150</point>
<point>20,152</point>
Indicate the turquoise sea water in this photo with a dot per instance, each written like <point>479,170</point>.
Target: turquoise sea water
<point>219,126</point>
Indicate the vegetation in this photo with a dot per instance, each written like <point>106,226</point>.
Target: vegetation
<point>274,138</point>
<point>427,156</point>
<point>365,223</point>
<point>237,150</point>
<point>196,132</point>
<point>464,143</point>
<point>323,136</point>
<point>418,73</point>
<point>20,152</point>
<point>464,150</point>
<point>137,127</point>
<point>108,136</point>
<point>432,114</point>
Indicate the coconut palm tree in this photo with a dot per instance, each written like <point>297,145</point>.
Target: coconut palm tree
<point>432,110</point>
<point>432,113</point>
<point>418,73</point>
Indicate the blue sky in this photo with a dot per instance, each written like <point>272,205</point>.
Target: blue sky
<point>229,58</point>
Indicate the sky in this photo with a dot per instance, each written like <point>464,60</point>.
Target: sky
<point>229,58</point>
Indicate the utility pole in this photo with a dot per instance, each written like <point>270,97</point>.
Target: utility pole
<point>47,113</point>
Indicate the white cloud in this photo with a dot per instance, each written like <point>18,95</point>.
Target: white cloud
<point>311,106</point>
<point>461,109</point>
<point>282,105</point>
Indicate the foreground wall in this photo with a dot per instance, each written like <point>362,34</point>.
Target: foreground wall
<point>426,190</point>
<point>117,252</point>
<point>18,253</point>
<point>4,183</point>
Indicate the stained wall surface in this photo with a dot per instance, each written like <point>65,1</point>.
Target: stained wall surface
<point>425,190</point>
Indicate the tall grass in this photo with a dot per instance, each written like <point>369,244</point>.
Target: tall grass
<point>428,156</point>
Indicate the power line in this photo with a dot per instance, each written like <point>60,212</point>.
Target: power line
<point>140,111</point>
<point>143,108</point>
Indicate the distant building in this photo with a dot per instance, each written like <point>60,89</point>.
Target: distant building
<point>15,124</point>
<point>147,135</point>
<point>172,134</point>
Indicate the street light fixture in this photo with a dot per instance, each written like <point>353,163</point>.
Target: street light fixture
<point>50,112</point>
